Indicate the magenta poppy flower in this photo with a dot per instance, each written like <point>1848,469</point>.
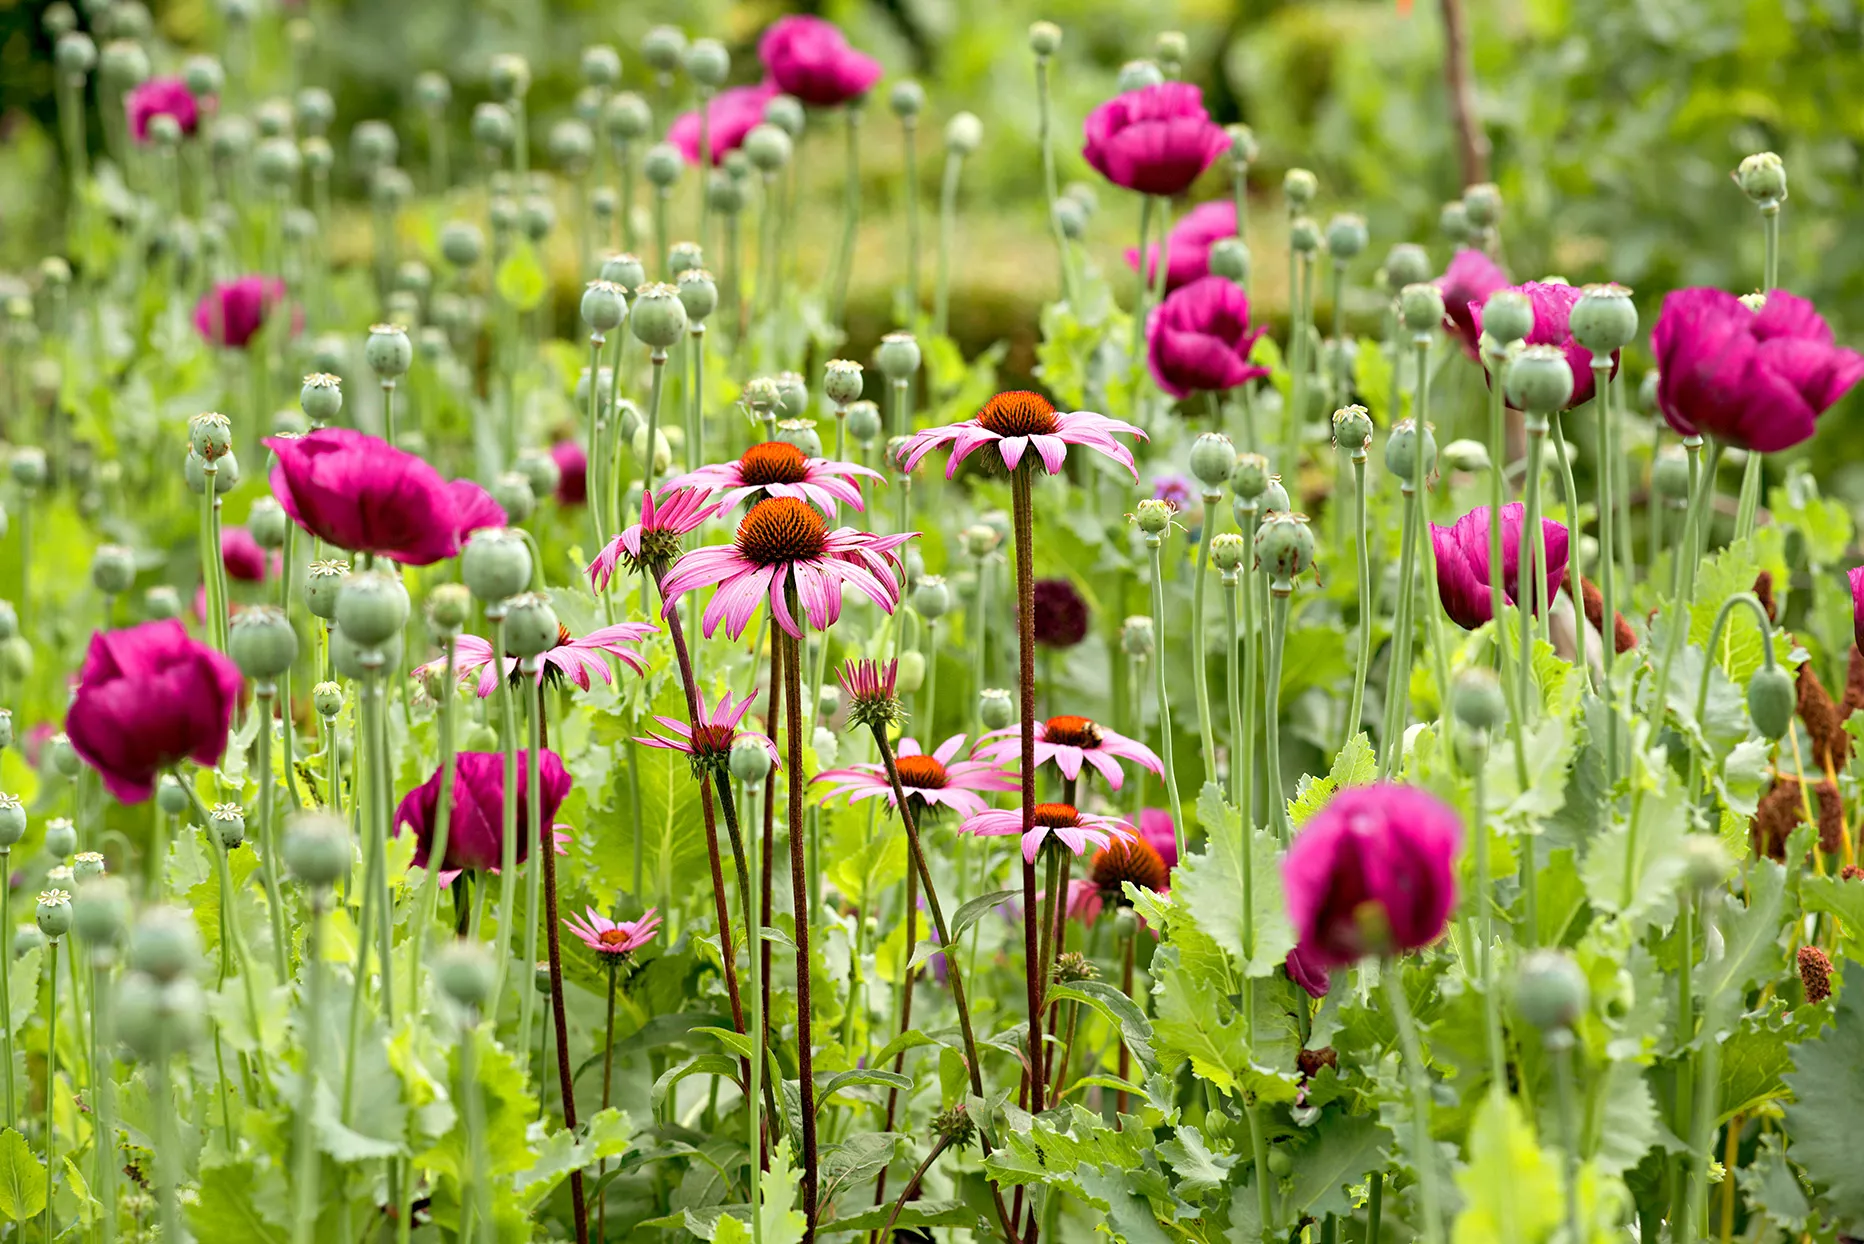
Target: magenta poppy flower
<point>574,657</point>
<point>1155,826</point>
<point>1198,340</point>
<point>1462,551</point>
<point>1372,874</point>
<point>360,493</point>
<point>783,541</point>
<point>148,698</point>
<point>1314,978</point>
<point>232,312</point>
<point>1757,380</point>
<point>1016,422</point>
<point>1553,305</point>
<point>656,538</point>
<point>930,781</point>
<point>811,59</point>
<point>241,555</point>
<point>572,472</point>
<point>710,743</point>
<point>730,115</point>
<point>1188,256</point>
<point>1063,822</point>
<point>1070,742</point>
<point>613,939</point>
<point>1155,140</point>
<point>777,469</point>
<point>159,97</point>
<point>1856,576</point>
<point>475,828</point>
<point>1466,284</point>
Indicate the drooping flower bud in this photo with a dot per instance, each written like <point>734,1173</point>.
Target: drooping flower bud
<point>1771,701</point>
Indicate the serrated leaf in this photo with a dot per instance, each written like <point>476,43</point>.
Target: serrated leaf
<point>23,984</point>
<point>1632,880</point>
<point>1769,1184</point>
<point>225,1208</point>
<point>1511,1188</point>
<point>1628,1125</point>
<point>857,1160</point>
<point>1237,899</point>
<point>1750,934</point>
<point>1120,1010</point>
<point>22,1178</point>
<point>1834,897</point>
<point>1190,1022</point>
<point>780,1224</point>
<point>1828,1084</point>
<point>1823,525</point>
<point>1349,1146</point>
<point>1130,1216</point>
<point>914,1214</point>
<point>1198,1169</point>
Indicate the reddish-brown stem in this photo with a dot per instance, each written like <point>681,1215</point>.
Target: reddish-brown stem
<point>1472,144</point>
<point>1126,987</point>
<point>906,1015</point>
<point>799,892</point>
<point>565,1078</point>
<point>1024,519</point>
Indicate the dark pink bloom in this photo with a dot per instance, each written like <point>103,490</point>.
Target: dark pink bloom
<point>1188,255</point>
<point>709,745</point>
<point>1466,284</point>
<point>1072,828</point>
<point>1553,304</point>
<point>1372,874</point>
<point>1071,742</point>
<point>148,698</point>
<point>609,938</point>
<point>1016,422</point>
<point>1312,977</point>
<point>160,96</point>
<point>1155,140</point>
<point>572,472</point>
<point>360,493</point>
<point>1180,490</point>
<point>731,115</point>
<point>1462,551</point>
<point>1856,576</point>
<point>574,657</point>
<point>233,312</point>
<point>777,469</point>
<point>1757,380</point>
<point>810,58</point>
<point>1155,826</point>
<point>930,781</point>
<point>475,829</point>
<point>1198,340</point>
<point>663,522</point>
<point>241,555</point>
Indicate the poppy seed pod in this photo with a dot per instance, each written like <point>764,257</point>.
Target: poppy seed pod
<point>496,564</point>
<point>1551,991</point>
<point>841,381</point>
<point>226,474</point>
<point>6,727</point>
<point>802,434</point>
<point>1420,307</point>
<point>723,193</point>
<point>1401,450</point>
<point>995,709</point>
<point>662,47</point>
<point>1213,458</point>
<point>1044,38</point>
<point>1464,454</point>
<point>61,837</point>
<point>786,113</point>
<point>1243,147</point>
<point>1540,380</point>
<point>1228,551</point>
<point>571,145</point>
<point>492,126</point>
<point>931,597</point>
<point>510,75</point>
<point>604,306</point>
<point>466,975</point>
<point>698,294</point>
<point>707,62</point>
<point>227,821</point>
<point>317,849</point>
<point>1604,319</point>
<point>1406,263</point>
<point>684,255</point>
<point>12,820</point>
<point>1303,235</point>
<point>662,164</point>
<point>1476,699</point>
<point>531,626</point>
<point>1299,186</point>
<point>388,351</point>
<point>373,145</point>
<point>1453,221</point>
<point>1284,547</point>
<point>113,569</point>
<point>1250,476</point>
<point>658,317</point>
<point>907,100</point>
<point>1762,178</point>
<point>1072,217</point>
<point>863,422</point>
<point>448,607</point>
<point>101,910</point>
<point>1508,317</point>
<point>76,54</point>
<point>372,608</point>
<point>1137,75</point>
<point>627,117</point>
<point>624,270</point>
<point>964,133</point>
<point>267,523</point>
<point>327,699</point>
<point>897,356</point>
<point>1229,258</point>
<point>65,762</point>
<point>1352,430</point>
<point>262,642</point>
<point>750,761</point>
<point>432,91</point>
<point>161,602</point>
<point>1482,203</point>
<point>768,147</point>
<point>323,582</point>
<point>1706,864</point>
<point>53,913</point>
<point>1346,235</point>
<point>354,660</point>
<point>210,436</point>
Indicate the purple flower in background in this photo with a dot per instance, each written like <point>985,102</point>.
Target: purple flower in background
<point>731,115</point>
<point>810,58</point>
<point>161,97</point>
<point>1553,304</point>
<point>572,472</point>
<point>475,830</point>
<point>233,312</point>
<point>1466,284</point>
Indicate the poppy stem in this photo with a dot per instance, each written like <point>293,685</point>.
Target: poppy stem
<point>595,485</point>
<point>1043,128</point>
<point>1356,708</point>
<point>1279,593</point>
<point>909,135</point>
<point>650,460</point>
<point>1213,499</point>
<point>508,818</point>
<point>443,821</point>
<point>6,999</point>
<point>1231,580</point>
<point>51,1085</point>
<point>1497,362</point>
<point>1243,764</point>
<point>1155,541</point>
<point>851,212</point>
<point>534,847</point>
<point>1392,974</point>
<point>264,695</point>
<point>308,1159</point>
<point>476,1213</point>
<point>1608,576</point>
<point>947,223</point>
<point>1482,920</point>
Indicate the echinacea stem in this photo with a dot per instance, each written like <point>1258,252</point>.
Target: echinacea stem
<point>1023,517</point>
<point>805,1053</point>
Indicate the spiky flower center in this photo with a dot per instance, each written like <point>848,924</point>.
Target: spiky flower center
<point>1072,731</point>
<point>1018,413</point>
<point>1056,816</point>
<point>922,773</point>
<point>782,530</point>
<point>612,937</point>
<point>773,462</point>
<point>1129,859</point>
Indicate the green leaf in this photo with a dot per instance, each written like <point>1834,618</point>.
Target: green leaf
<point>862,1076</point>
<point>1769,1184</point>
<point>1633,880</point>
<point>911,1039</point>
<point>700,1065</point>
<point>22,1178</point>
<point>23,981</point>
<point>1828,1084</point>
<point>973,911</point>
<point>1198,1169</point>
<point>1350,1146</point>
<point>1131,1216</point>
<point>521,280</point>
<point>1511,1189</point>
<point>1191,1022</point>
<point>914,1214</point>
<point>780,1223</point>
<point>1828,895</point>
<point>923,952</point>
<point>1824,525</point>
<point>1755,1059</point>
<point>1120,1010</point>
<point>226,1209</point>
<point>1628,1125</point>
<point>1237,899</point>
<point>862,864</point>
<point>859,1159</point>
<point>1750,935</point>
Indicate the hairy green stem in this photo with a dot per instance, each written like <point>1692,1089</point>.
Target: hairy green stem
<point>1155,542</point>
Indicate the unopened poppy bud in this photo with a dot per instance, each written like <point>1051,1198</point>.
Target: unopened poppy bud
<point>1762,178</point>
<point>1352,430</point>
<point>698,293</point>
<point>1284,547</point>
<point>1401,452</point>
<point>662,47</point>
<point>317,849</point>
<point>327,699</point>
<point>227,822</point>
<point>531,626</point>
<point>828,702</point>
<point>1476,699</point>
<point>1482,204</point>
<point>262,642</point>
<point>1227,552</point>
<point>1303,235</point>
<point>1507,317</point>
<point>1551,992</point>
<point>1465,454</point>
<point>1229,258</point>
<point>170,797</point>
<point>1604,319</point>
<point>658,317</point>
<point>1137,75</point>
<point>662,164</point>
<point>898,356</point>
<point>1540,380</point>
<point>1453,221</point>
<point>1706,863</point>
<point>496,564</point>
<point>863,422</point>
<point>465,974</point>
<point>1406,263</point>
<point>1346,235</point>
<point>964,133</point>
<point>492,126</point>
<point>931,597</point>
<point>786,113</point>
<point>1420,307</point>
<point>1299,186</point>
<point>907,100</point>
<point>1072,217</point>
<point>1771,701</point>
<point>64,758</point>
<point>1044,38</point>
<point>323,581</point>
<point>841,381</point>
<point>113,569</point>
<point>53,913</point>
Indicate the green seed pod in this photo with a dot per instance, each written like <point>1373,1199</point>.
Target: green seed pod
<point>541,469</point>
<point>432,91</point>
<point>1072,218</point>
<point>210,436</point>
<point>1228,551</point>
<point>1550,991</point>
<point>1540,380</point>
<point>351,659</point>
<point>1284,546</point>
<point>707,62</point>
<point>1401,452</point>
<point>76,54</point>
<point>1044,38</point>
<point>768,147</point>
<point>388,351</point>
<point>165,943</point>
<point>1453,221</point>
<point>931,597</point>
<point>1352,430</point>
<point>1137,75</point>
<point>662,48</point>
<point>792,395</point>
<point>571,146</point>
<point>323,583</point>
<point>627,117</point>
<point>1467,455</point>
<point>802,434</point>
<point>1243,147</point>
<point>907,100</point>
<point>512,491</point>
<point>863,422</point>
<point>1406,263</point>
<point>698,293</point>
<point>1482,204</point>
<point>262,642</point>
<point>372,608</point>
<point>1170,47</point>
<point>317,849</point>
<point>1508,317</point>
<point>1250,476</point>
<point>995,709</point>
<point>1706,863</point>
<point>6,727</point>
<point>1274,498</point>
<point>1213,458</point>
<point>170,796</point>
<point>227,822</point>
<point>448,607</point>
<point>492,126</point>
<point>1299,186</point>
<point>1604,319</point>
<point>53,914</point>
<point>113,569</point>
<point>327,699</point>
<point>510,76</point>
<point>980,541</point>
<point>12,820</point>
<point>465,974</point>
<point>964,134</point>
<point>1771,700</point>
<point>662,165</point>
<point>27,938</point>
<point>1762,178</point>
<point>912,673</point>
<point>601,65</point>
<point>461,243</point>
<point>87,864</point>
<point>1476,699</point>
<point>64,758</point>
<point>749,763</point>
<point>841,381</point>
<point>1303,235</point>
<point>658,319</point>
<point>604,306</point>
<point>1230,258</point>
<point>1153,516</point>
<point>321,397</point>
<point>101,911</point>
<point>9,621</point>
<point>1420,307</point>
<point>373,145</point>
<point>496,565</point>
<point>161,603</point>
<point>897,356</point>
<point>531,626</point>
<point>1346,235</point>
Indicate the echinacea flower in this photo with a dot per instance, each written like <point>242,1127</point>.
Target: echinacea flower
<point>1188,252</point>
<point>777,469</point>
<point>612,939</point>
<point>1062,822</point>
<point>1759,380</point>
<point>781,543</point>
<point>360,493</point>
<point>869,686</point>
<point>1199,339</point>
<point>232,312</point>
<point>476,824</point>
<point>1016,422</point>
<point>730,115</point>
<point>1466,284</point>
<point>148,698</point>
<point>1553,307</point>
<point>572,472</point>
<point>810,58</point>
<point>1462,551</point>
<point>1070,742</point>
<point>930,781</point>
<point>574,657</point>
<point>161,97</point>
<point>709,744</point>
<point>1156,140</point>
<point>655,540</point>
<point>1131,859</point>
<point>1373,873</point>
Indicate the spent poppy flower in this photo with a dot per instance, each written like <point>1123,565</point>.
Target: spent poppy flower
<point>730,115</point>
<point>708,744</point>
<point>1462,551</point>
<point>1466,284</point>
<point>784,542</point>
<point>930,781</point>
<point>777,469</point>
<point>1187,255</point>
<point>1066,824</point>
<point>1155,140</point>
<point>611,939</point>
<point>574,657</point>
<point>1759,380</point>
<point>655,540</point>
<point>1372,873</point>
<point>1553,307</point>
<point>360,493</point>
<point>572,472</point>
<point>1070,742</point>
<point>161,97</point>
<point>475,828</point>
<point>232,312</point>
<point>1016,422</point>
<point>811,59</point>
<point>1198,341</point>
<point>149,697</point>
